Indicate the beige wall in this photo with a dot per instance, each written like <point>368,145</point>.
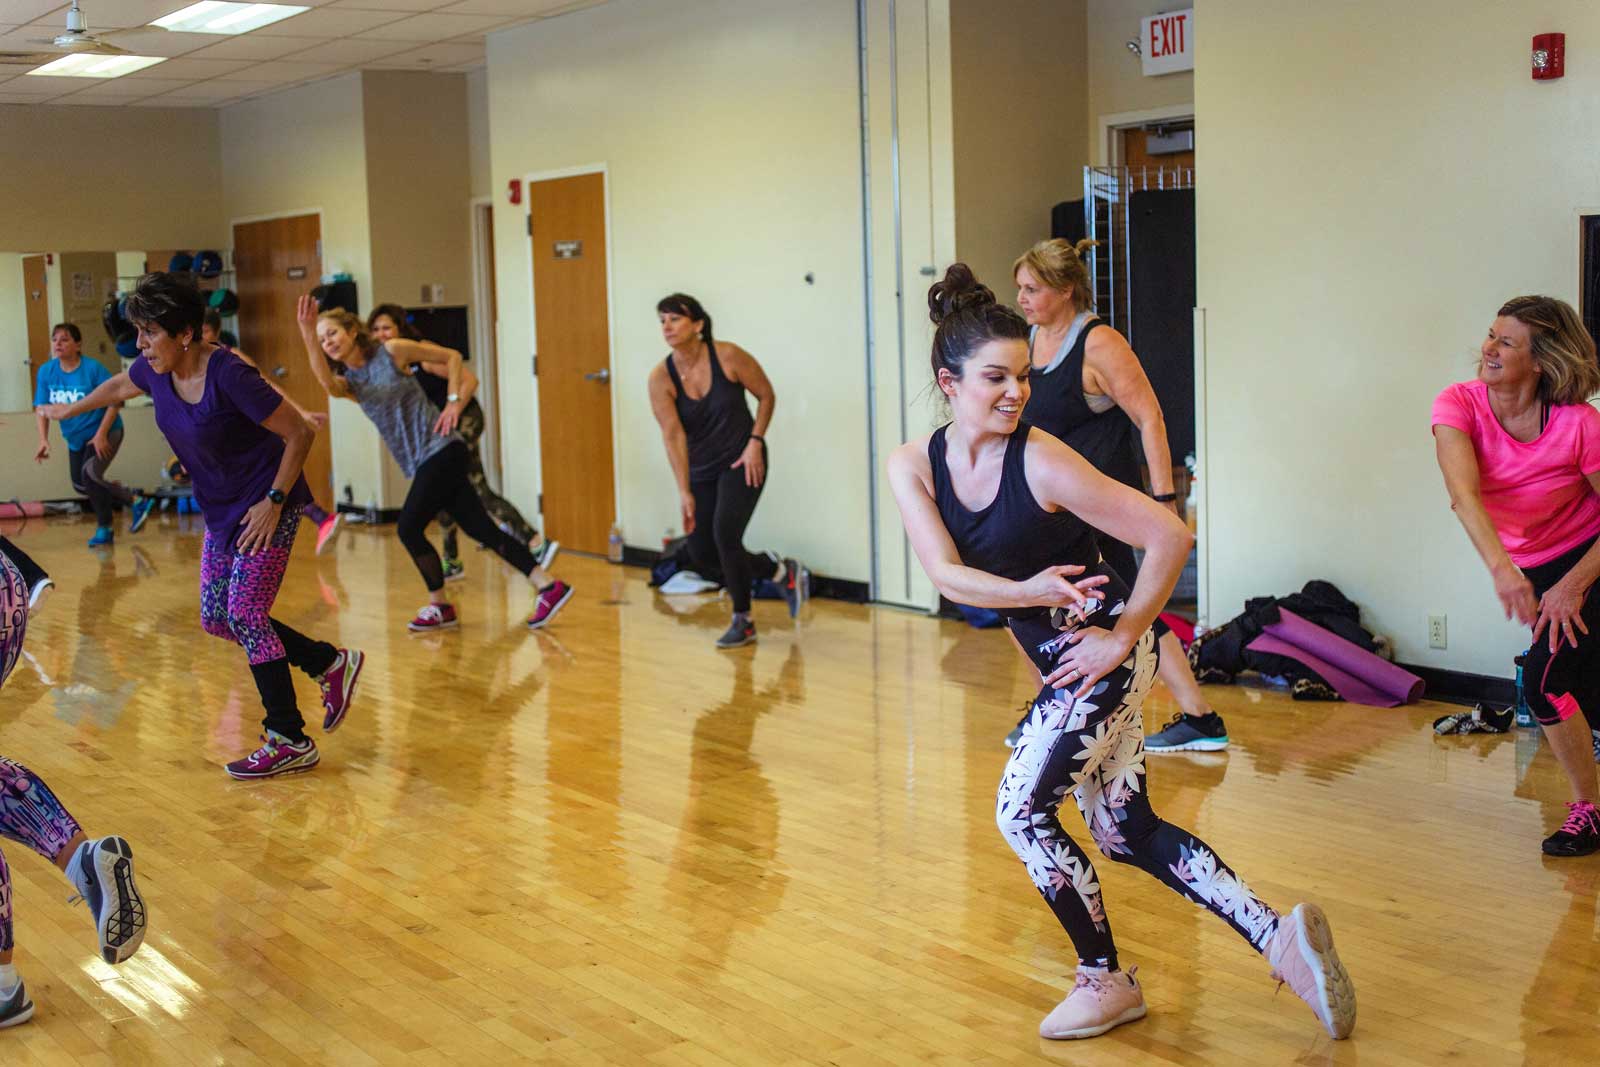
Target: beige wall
<point>299,151</point>
<point>1348,267</point>
<point>138,462</point>
<point>1116,85</point>
<point>480,171</point>
<point>745,181</point>
<point>84,311</point>
<point>1019,146</point>
<point>14,362</point>
<point>109,177</point>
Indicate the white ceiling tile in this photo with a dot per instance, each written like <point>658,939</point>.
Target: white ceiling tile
<point>104,15</point>
<point>127,88</point>
<point>352,50</point>
<point>20,12</point>
<point>390,5</point>
<point>186,68</point>
<point>433,57</point>
<point>284,72</point>
<point>332,23</point>
<point>143,41</point>
<point>168,102</point>
<point>50,86</point>
<point>435,27</point>
<point>252,46</point>
<point>508,8</point>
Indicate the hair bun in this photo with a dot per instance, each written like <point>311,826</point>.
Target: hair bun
<point>958,290</point>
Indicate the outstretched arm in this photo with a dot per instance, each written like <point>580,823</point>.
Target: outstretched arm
<point>1459,463</point>
<point>306,318</point>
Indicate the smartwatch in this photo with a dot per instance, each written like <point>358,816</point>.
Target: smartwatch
<point>452,398</point>
<point>277,496</point>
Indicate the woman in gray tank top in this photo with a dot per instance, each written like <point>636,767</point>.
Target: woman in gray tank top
<point>423,441</point>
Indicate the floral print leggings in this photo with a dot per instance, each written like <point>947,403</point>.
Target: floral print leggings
<point>32,816</point>
<point>1093,750</point>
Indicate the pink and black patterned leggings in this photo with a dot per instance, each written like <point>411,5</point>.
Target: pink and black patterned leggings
<point>32,816</point>
<point>236,596</point>
<point>1564,683</point>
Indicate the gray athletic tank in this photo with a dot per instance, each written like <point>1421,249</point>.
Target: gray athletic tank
<point>399,409</point>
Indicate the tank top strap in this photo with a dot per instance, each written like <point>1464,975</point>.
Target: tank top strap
<point>716,367</point>
<point>936,460</point>
<point>677,382</point>
<point>1013,468</point>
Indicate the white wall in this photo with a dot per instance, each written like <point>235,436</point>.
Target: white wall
<point>731,132</point>
<point>305,150</point>
<point>480,170</point>
<point>1350,259</point>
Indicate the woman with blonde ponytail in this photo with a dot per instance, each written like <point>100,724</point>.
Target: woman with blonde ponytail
<point>1090,390</point>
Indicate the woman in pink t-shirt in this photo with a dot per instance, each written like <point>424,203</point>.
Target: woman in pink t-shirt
<point>1520,451</point>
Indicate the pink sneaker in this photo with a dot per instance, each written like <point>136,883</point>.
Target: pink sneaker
<point>1302,954</point>
<point>338,684</point>
<point>552,598</point>
<point>327,530</point>
<point>277,755</point>
<point>1099,1001</point>
<point>433,617</point>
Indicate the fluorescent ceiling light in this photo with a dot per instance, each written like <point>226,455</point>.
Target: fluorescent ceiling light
<point>89,65</point>
<point>217,16</point>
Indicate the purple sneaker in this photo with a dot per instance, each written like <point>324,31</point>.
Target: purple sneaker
<point>338,684</point>
<point>277,755</point>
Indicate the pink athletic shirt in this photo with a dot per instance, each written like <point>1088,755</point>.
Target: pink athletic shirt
<point>1536,493</point>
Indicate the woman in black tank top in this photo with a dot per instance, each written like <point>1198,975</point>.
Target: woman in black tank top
<point>718,453</point>
<point>1004,516</point>
<point>1087,386</point>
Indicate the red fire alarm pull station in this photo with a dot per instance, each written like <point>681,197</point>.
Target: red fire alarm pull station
<point>1549,56</point>
<point>514,190</point>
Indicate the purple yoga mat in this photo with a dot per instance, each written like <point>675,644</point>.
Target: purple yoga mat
<point>1358,675</point>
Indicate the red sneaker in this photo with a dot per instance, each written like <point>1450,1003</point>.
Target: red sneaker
<point>552,598</point>
<point>433,617</point>
<point>338,684</point>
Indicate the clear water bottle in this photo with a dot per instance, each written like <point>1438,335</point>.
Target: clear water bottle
<point>614,544</point>
<point>372,510</point>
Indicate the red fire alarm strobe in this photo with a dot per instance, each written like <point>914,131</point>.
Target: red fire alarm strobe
<point>1549,56</point>
<point>514,190</point>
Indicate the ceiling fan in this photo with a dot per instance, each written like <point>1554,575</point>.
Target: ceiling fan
<point>74,40</point>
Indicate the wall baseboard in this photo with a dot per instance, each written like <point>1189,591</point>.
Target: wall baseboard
<point>1462,687</point>
<point>822,586</point>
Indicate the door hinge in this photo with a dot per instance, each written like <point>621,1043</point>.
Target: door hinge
<point>534,359</point>
<point>541,504</point>
<point>530,225</point>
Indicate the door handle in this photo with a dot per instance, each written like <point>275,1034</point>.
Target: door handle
<point>601,375</point>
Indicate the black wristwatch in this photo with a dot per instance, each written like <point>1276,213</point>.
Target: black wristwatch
<point>1164,498</point>
<point>277,496</point>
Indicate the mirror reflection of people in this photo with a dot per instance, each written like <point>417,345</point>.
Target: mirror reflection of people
<point>388,321</point>
<point>244,448</point>
<point>718,454</point>
<point>1005,516</point>
<point>100,869</point>
<point>1090,391</point>
<point>1519,446</point>
<point>422,440</point>
<point>327,524</point>
<point>93,438</point>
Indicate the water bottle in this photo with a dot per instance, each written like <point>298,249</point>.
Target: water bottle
<point>614,544</point>
<point>1524,713</point>
<point>372,510</point>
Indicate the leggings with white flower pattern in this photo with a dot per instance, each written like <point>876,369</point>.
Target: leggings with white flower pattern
<point>1093,749</point>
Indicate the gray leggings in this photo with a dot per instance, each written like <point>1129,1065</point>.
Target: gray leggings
<point>89,478</point>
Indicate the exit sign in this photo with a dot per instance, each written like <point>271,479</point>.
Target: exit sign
<point>1166,42</point>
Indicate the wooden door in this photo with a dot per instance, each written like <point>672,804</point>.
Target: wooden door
<point>33,289</point>
<point>274,262</point>
<point>573,347</point>
<point>1138,159</point>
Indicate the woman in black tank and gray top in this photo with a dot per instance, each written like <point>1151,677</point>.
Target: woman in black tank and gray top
<point>423,441</point>
<point>1005,516</point>
<point>718,453</point>
<point>1090,391</point>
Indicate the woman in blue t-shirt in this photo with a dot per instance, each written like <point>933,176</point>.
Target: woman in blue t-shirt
<point>92,438</point>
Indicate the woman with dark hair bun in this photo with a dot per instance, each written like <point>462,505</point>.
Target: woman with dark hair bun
<point>244,447</point>
<point>718,454</point>
<point>387,322</point>
<point>1005,516</point>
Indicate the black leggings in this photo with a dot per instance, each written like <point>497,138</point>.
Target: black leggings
<point>1092,750</point>
<point>89,478</point>
<point>722,510</point>
<point>1566,683</point>
<point>31,571</point>
<point>441,485</point>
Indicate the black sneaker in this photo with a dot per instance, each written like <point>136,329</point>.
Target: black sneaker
<point>1579,835</point>
<point>1188,733</point>
<point>1016,731</point>
<point>15,1009</point>
<point>741,631</point>
<point>1479,719</point>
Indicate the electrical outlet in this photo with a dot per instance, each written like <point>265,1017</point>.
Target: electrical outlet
<point>1438,634</point>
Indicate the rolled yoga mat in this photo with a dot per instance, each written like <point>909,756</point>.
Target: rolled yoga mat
<point>1359,676</point>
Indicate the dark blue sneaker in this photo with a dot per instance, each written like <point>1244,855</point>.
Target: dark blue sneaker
<point>103,875</point>
<point>142,507</point>
<point>1189,733</point>
<point>16,1008</point>
<point>102,536</point>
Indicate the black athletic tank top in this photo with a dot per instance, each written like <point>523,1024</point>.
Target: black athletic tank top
<point>1057,407</point>
<point>718,425</point>
<point>1013,537</point>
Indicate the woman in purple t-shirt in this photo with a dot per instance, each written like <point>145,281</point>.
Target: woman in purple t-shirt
<point>1520,450</point>
<point>243,447</point>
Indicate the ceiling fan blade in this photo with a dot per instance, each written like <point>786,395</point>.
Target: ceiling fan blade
<point>73,44</point>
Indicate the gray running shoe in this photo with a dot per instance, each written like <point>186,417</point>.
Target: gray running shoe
<point>1186,733</point>
<point>741,631</point>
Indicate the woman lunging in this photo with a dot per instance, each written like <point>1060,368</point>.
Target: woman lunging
<point>1005,516</point>
<point>422,440</point>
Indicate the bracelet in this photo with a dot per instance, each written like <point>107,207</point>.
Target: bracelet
<point>1164,498</point>
<point>758,437</point>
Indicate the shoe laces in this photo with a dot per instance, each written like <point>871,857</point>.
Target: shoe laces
<point>1098,982</point>
<point>1582,817</point>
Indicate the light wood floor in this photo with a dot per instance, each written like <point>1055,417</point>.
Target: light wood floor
<point>611,843</point>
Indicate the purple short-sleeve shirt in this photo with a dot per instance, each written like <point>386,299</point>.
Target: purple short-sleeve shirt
<point>231,458</point>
